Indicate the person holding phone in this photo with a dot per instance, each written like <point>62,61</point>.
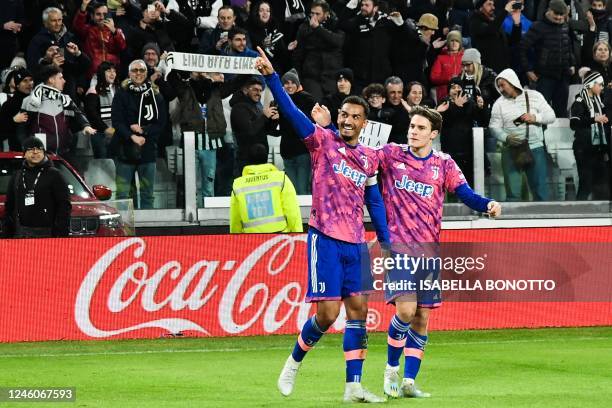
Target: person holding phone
<point>101,40</point>
<point>460,114</point>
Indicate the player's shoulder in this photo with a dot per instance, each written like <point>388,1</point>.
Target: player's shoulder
<point>440,155</point>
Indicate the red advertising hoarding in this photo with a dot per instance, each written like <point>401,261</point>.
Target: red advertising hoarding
<point>221,285</point>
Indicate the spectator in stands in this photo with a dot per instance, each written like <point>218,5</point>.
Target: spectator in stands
<point>318,53</point>
<point>265,32</point>
<point>477,79</point>
<point>555,63</point>
<point>250,123</point>
<point>51,112</point>
<point>10,112</point>
<point>400,116</point>
<point>98,104</point>
<point>375,95</point>
<point>213,41</point>
<point>296,157</point>
<point>448,64</point>
<point>459,18</point>
<point>12,18</point>
<point>138,115</point>
<point>344,88</point>
<point>417,95</point>
<point>54,31</point>
<point>156,64</point>
<point>154,26</point>
<point>516,25</point>
<point>237,44</point>
<point>202,14</point>
<point>461,113</point>
<point>517,118</point>
<point>71,60</point>
<point>370,34</point>
<point>592,139</point>
<point>37,199</point>
<point>266,203</point>
<point>414,47</point>
<point>600,62</point>
<point>488,36</point>
<point>600,28</point>
<point>576,20</point>
<point>101,40</point>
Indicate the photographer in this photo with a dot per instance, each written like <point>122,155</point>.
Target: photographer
<point>102,41</point>
<point>516,120</point>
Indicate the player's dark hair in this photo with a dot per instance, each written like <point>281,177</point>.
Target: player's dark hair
<point>357,100</point>
<point>320,3</point>
<point>433,116</point>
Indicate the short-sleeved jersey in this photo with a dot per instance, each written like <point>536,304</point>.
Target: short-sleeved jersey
<point>413,191</point>
<point>340,173</point>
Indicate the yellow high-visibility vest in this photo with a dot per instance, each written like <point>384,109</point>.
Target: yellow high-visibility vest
<point>263,201</point>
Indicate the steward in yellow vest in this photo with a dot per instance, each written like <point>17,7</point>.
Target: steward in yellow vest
<point>263,201</point>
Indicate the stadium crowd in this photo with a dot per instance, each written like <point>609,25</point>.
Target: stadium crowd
<point>93,67</point>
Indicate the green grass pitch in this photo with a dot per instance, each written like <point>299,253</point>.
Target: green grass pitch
<point>497,368</point>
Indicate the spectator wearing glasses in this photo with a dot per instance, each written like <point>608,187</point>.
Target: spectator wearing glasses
<point>37,197</point>
<point>477,79</point>
<point>139,117</point>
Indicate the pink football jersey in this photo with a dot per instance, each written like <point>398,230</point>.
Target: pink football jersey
<point>340,173</point>
<point>413,191</point>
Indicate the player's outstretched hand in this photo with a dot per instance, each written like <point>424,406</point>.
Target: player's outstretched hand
<point>321,116</point>
<point>494,209</point>
<point>263,64</point>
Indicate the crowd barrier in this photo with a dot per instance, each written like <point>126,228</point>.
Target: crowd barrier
<point>213,285</point>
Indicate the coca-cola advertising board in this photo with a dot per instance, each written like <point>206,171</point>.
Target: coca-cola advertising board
<point>218,285</point>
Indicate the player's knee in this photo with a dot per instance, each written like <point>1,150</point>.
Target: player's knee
<point>406,311</point>
<point>327,317</point>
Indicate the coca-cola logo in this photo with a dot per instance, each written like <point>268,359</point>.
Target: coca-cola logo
<point>136,285</point>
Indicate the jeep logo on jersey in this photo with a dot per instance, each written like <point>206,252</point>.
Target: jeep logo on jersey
<point>356,176</point>
<point>422,189</point>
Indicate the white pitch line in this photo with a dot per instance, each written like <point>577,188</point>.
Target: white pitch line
<point>241,349</point>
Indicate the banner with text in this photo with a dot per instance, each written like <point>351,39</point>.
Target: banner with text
<point>210,63</point>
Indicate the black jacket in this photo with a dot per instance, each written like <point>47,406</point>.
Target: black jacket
<point>457,124</point>
<point>400,120</point>
<point>249,124</point>
<point>51,208</point>
<point>581,122</point>
<point>411,57</point>
<point>368,49</point>
<point>553,49</point>
<point>126,112</point>
<point>319,52</point>
<point>8,128</point>
<point>291,145</point>
<point>491,40</point>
